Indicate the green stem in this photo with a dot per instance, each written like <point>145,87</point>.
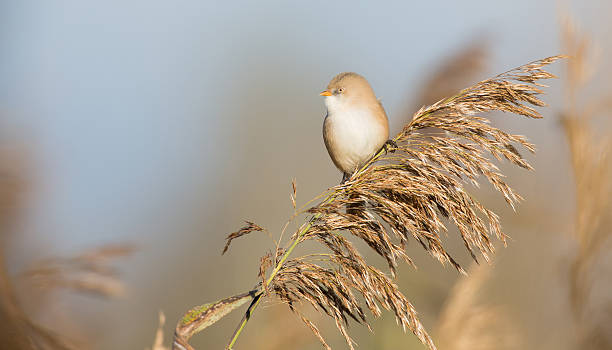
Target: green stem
<point>275,272</point>
<point>285,256</point>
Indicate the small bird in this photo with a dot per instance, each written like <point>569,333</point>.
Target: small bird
<point>356,125</point>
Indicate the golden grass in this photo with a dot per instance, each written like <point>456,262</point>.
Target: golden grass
<point>591,163</point>
<point>158,342</point>
<point>88,273</point>
<point>459,70</point>
<point>467,324</point>
<point>412,193</point>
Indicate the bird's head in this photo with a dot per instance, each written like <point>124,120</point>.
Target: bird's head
<point>348,90</point>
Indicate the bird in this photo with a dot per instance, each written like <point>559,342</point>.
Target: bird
<point>356,126</point>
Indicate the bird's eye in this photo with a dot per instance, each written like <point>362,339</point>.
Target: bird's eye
<point>341,90</point>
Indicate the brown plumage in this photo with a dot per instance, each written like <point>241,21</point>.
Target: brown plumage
<point>356,125</point>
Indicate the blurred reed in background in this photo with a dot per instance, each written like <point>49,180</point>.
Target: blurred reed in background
<point>88,273</point>
<point>589,138</point>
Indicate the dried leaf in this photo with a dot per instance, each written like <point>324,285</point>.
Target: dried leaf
<point>200,317</point>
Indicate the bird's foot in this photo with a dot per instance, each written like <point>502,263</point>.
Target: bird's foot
<point>390,146</point>
<point>345,178</point>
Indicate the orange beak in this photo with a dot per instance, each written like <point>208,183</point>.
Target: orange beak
<point>325,93</point>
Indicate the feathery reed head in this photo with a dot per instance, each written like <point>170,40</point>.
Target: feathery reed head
<point>88,272</point>
<point>591,162</point>
<point>457,71</point>
<point>413,193</point>
<point>465,323</point>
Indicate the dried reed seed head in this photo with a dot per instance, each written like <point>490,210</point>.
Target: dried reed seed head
<point>245,230</point>
<point>47,339</point>
<point>592,169</point>
<point>413,193</point>
<point>89,272</point>
<point>454,73</point>
<point>315,331</point>
<point>265,263</point>
<point>333,291</point>
<point>158,341</point>
<point>465,323</point>
<point>293,195</point>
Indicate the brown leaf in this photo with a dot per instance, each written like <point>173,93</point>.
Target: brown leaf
<point>200,317</point>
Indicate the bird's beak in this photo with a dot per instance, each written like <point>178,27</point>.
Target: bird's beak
<point>325,93</point>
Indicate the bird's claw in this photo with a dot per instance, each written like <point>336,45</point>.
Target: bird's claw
<point>390,146</point>
<point>345,178</point>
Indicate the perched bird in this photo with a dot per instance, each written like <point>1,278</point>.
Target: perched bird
<point>356,125</point>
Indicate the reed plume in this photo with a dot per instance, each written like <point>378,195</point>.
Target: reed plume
<point>414,192</point>
<point>467,324</point>
<point>88,272</point>
<point>591,162</point>
<point>18,330</point>
<point>458,70</point>
<point>158,341</point>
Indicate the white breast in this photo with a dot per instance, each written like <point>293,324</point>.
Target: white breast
<point>352,136</point>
